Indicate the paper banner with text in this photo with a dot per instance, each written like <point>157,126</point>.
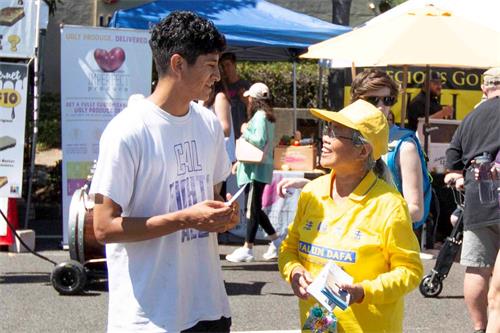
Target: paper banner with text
<point>18,27</point>
<point>13,92</point>
<point>100,69</point>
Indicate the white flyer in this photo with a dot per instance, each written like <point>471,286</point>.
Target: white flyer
<point>236,195</point>
<point>325,287</point>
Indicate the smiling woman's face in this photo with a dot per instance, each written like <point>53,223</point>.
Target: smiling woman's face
<point>338,151</point>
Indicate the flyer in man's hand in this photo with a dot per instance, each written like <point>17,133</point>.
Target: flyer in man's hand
<point>235,196</point>
<point>325,287</point>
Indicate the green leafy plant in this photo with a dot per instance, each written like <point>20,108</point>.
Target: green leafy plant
<point>278,76</point>
<point>49,124</point>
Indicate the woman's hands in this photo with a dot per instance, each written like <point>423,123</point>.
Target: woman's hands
<point>294,183</point>
<point>243,128</point>
<point>234,168</point>
<point>356,290</point>
<point>300,279</point>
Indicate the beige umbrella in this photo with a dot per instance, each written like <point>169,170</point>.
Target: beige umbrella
<point>425,36</point>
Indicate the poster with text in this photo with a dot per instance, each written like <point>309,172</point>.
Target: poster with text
<point>13,92</point>
<point>100,69</point>
<point>18,26</point>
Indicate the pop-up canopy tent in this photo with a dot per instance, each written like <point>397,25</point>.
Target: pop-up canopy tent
<point>254,29</point>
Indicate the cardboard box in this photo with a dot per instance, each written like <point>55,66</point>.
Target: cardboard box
<point>297,158</point>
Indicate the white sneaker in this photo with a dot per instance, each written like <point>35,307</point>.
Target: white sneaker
<point>271,253</point>
<point>241,254</point>
<point>426,256</point>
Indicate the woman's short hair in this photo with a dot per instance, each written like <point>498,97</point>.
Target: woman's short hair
<point>372,80</point>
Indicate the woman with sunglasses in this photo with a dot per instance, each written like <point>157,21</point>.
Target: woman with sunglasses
<point>380,90</point>
<point>405,157</point>
<point>354,218</point>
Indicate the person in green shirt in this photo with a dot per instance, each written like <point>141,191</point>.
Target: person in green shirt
<point>259,131</point>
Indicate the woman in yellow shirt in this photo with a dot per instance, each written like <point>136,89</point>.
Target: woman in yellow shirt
<point>353,217</point>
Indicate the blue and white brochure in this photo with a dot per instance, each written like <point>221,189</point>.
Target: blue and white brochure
<point>325,287</point>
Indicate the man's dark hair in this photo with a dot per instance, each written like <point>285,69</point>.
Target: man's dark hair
<point>186,34</point>
<point>228,56</point>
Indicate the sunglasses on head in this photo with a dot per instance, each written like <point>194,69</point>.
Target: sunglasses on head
<point>375,100</point>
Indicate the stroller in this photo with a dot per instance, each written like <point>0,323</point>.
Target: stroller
<point>432,284</point>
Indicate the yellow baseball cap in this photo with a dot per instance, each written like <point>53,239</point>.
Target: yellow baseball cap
<point>364,118</point>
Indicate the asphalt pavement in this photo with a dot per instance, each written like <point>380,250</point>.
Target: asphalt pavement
<point>260,300</point>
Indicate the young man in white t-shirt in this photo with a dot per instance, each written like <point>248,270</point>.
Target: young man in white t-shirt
<point>160,162</point>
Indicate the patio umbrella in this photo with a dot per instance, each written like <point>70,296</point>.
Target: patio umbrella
<point>425,36</point>
<point>421,37</point>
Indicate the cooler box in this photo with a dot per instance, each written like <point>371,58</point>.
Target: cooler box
<point>296,158</point>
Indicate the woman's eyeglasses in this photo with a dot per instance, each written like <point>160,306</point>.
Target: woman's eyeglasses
<point>375,100</point>
<point>329,130</point>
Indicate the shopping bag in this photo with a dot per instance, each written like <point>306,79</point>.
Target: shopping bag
<point>247,152</point>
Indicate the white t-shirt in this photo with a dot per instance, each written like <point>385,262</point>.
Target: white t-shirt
<point>152,163</point>
<point>228,141</point>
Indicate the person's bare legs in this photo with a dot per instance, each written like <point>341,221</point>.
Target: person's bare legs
<point>494,299</point>
<point>476,282</point>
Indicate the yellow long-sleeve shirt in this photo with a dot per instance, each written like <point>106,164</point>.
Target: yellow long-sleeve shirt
<point>370,236</point>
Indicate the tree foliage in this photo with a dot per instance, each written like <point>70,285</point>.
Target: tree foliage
<point>278,76</point>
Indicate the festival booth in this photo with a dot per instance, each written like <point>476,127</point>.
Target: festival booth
<point>254,29</point>
<point>457,45</point>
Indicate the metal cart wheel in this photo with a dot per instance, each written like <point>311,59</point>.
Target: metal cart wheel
<point>430,288</point>
<point>69,278</point>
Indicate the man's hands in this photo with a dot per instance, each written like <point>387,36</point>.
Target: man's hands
<point>213,216</point>
<point>455,178</point>
<point>300,279</point>
<point>447,112</point>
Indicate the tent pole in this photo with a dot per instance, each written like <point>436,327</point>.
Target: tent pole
<point>403,96</point>
<point>36,105</point>
<point>353,71</point>
<point>427,108</point>
<point>294,74</point>
<point>423,245</point>
<point>320,86</point>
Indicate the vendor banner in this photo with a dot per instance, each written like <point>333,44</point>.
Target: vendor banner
<point>13,92</point>
<point>18,26</point>
<point>100,69</point>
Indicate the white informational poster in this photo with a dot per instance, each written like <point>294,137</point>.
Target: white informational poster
<point>100,69</point>
<point>13,92</point>
<point>18,26</point>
